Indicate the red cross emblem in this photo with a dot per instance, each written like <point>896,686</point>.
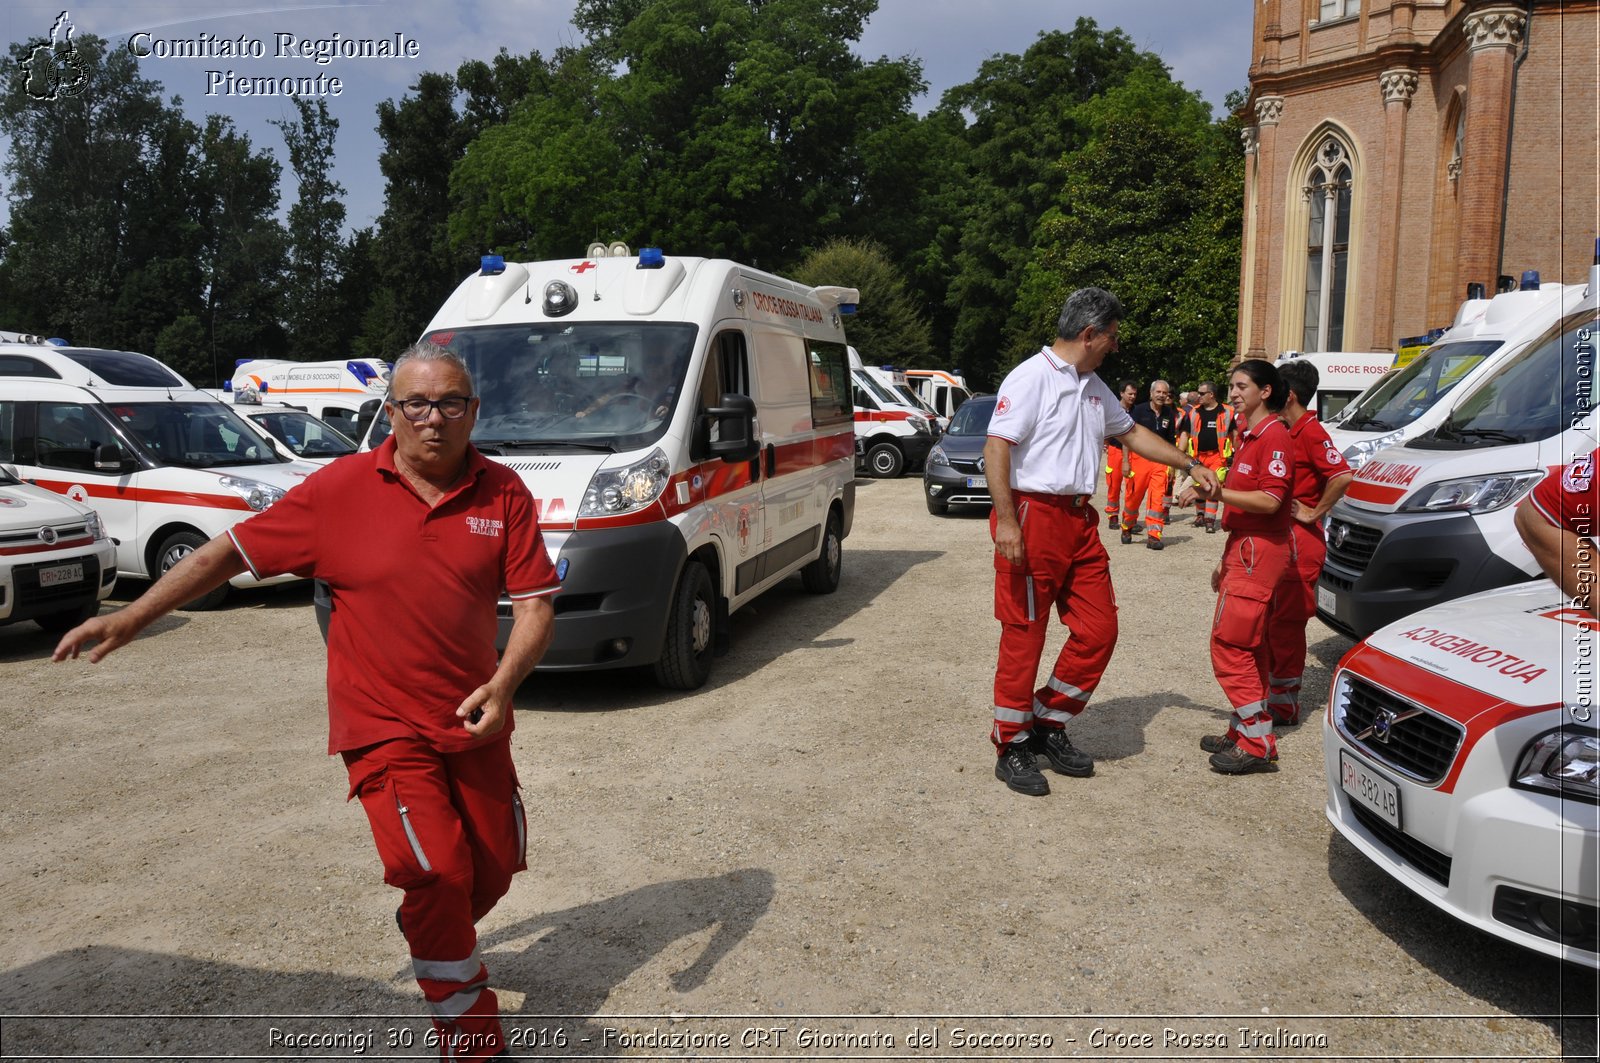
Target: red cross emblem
<point>583,267</point>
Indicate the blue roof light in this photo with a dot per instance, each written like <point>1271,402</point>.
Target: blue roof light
<point>847,308</point>
<point>488,265</point>
<point>1530,280</point>
<point>651,258</point>
<point>362,371</point>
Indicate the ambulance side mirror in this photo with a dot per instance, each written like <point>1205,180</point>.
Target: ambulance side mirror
<point>108,457</point>
<point>730,429</point>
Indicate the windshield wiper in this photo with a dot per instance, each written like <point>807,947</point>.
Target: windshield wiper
<point>605,448</point>
<point>1490,433</point>
<point>1373,421</point>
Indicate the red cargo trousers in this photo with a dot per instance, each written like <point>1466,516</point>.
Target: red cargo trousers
<point>1064,564</point>
<point>1253,564</point>
<point>1293,606</point>
<point>451,832</point>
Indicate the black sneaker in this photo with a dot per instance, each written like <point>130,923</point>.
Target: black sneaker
<point>1215,743</point>
<point>1152,544</point>
<point>1014,767</point>
<point>1127,537</point>
<point>1235,761</point>
<point>1057,748</point>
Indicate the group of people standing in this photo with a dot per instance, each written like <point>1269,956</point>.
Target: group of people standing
<point>1053,421</point>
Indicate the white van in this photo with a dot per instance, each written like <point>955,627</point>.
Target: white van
<point>892,436</point>
<point>684,425</point>
<point>166,466</point>
<point>346,394</point>
<point>1341,377</point>
<point>1432,520</point>
<point>1418,397</point>
<point>293,432</point>
<point>56,562</point>
<point>942,390</point>
<point>1459,749</point>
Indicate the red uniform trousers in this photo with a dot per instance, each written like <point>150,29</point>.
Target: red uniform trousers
<point>1149,483</point>
<point>1210,509</point>
<point>1253,564</point>
<point>451,832</point>
<point>1115,482</point>
<point>1064,564</point>
<point>1292,608</point>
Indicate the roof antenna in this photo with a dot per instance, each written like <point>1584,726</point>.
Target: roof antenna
<point>527,292</point>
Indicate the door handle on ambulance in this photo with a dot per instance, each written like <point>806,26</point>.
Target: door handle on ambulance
<point>772,460</point>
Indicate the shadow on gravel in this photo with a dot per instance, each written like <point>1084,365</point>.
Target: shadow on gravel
<point>109,1003</point>
<point>784,619</point>
<point>1114,728</point>
<point>1560,995</point>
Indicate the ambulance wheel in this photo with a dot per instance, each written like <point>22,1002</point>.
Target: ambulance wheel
<point>178,546</point>
<point>886,461</point>
<point>686,654</point>
<point>822,575</point>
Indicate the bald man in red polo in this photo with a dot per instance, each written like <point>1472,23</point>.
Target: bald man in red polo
<point>416,540</point>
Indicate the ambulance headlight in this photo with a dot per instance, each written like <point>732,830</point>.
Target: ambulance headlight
<point>1564,762</point>
<point>1360,451</point>
<point>615,491</point>
<point>937,456</point>
<point>1473,494</point>
<point>257,495</point>
<point>920,425</point>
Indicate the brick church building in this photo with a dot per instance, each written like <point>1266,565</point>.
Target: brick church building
<point>1397,150</point>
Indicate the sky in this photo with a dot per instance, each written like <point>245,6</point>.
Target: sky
<point>1206,45</point>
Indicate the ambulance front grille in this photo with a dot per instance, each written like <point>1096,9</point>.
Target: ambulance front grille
<point>532,466</point>
<point>1353,549</point>
<point>1396,732</point>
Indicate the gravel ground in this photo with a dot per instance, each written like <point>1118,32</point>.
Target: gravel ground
<point>809,858</point>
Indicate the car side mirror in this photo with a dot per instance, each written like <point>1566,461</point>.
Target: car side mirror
<point>732,429</point>
<point>108,457</point>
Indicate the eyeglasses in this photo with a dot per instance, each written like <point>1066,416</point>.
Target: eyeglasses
<point>451,408</point>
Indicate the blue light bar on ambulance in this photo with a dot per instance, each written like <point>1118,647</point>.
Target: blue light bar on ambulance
<point>1530,280</point>
<point>364,372</point>
<point>651,258</point>
<point>847,308</point>
<point>489,265</point>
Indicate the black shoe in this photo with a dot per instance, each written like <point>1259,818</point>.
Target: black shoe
<point>1152,544</point>
<point>1014,767</point>
<point>1111,520</point>
<point>1235,761</point>
<point>1057,748</point>
<point>1292,720</point>
<point>1127,537</point>
<point>1215,743</point>
<point>398,924</point>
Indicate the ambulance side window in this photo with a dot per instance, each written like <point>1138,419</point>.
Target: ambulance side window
<point>8,431</point>
<point>830,382</point>
<point>68,434</point>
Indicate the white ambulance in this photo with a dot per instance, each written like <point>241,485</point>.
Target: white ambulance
<point>685,427</point>
<point>346,394</point>
<point>1342,376</point>
<point>1418,397</point>
<point>942,390</point>
<point>1463,759</point>
<point>1432,520</point>
<point>165,466</point>
<point>56,562</point>
<point>892,436</point>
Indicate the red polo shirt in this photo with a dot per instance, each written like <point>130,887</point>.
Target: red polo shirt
<point>1316,461</point>
<point>1569,496</point>
<point>414,589</point>
<point>1262,462</point>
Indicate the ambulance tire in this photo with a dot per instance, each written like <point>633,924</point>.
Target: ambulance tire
<point>822,575</point>
<point>885,461</point>
<point>686,653</point>
<point>178,546</point>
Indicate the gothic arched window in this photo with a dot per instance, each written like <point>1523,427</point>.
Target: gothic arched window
<point>1327,192</point>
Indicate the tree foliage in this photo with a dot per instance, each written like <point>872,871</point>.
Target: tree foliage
<point>319,328</point>
<point>888,327</point>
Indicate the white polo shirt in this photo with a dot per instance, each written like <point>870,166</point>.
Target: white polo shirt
<point>1057,422</point>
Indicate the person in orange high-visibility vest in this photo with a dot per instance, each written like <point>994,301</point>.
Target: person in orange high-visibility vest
<point>1210,440</point>
<point>1128,394</point>
<point>1150,477</point>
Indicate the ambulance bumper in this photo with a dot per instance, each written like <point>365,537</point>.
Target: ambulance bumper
<point>1382,567</point>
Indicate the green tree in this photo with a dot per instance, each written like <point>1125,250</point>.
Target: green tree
<point>1149,208</point>
<point>888,326</point>
<point>1019,120</point>
<point>318,326</point>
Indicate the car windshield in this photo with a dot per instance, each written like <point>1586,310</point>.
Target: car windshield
<point>304,434</point>
<point>911,398</point>
<point>194,435</point>
<point>1397,400</point>
<point>1540,392</point>
<point>603,385</point>
<point>972,419</point>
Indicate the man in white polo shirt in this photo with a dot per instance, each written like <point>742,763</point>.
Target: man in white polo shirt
<point>1046,440</point>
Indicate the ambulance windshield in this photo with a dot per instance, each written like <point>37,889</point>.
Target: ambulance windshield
<point>1402,397</point>
<point>608,386</point>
